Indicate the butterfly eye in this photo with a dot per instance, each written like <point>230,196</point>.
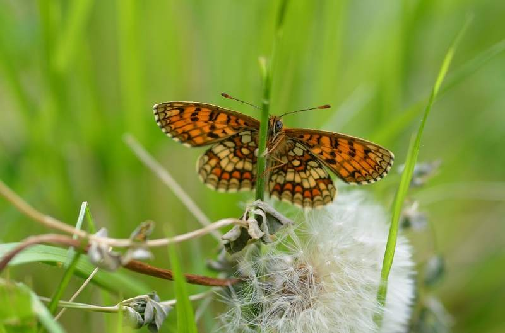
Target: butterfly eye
<point>278,125</point>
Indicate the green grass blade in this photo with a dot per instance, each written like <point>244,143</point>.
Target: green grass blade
<point>410,163</point>
<point>266,69</point>
<point>71,265</point>
<point>91,222</point>
<point>265,109</point>
<point>44,316</point>
<point>185,315</point>
<point>23,307</point>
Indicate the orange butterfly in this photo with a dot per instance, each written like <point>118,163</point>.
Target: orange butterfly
<point>296,157</point>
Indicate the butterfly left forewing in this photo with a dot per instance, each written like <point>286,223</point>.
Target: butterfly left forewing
<point>199,124</point>
<point>354,160</point>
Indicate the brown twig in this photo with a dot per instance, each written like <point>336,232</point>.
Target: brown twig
<point>133,265</point>
<point>146,269</point>
<point>35,215</point>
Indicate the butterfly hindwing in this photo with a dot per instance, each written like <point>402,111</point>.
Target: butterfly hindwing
<point>199,124</point>
<point>352,159</point>
<point>296,176</point>
<point>230,165</point>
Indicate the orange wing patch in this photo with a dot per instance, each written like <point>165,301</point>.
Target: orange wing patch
<point>299,178</point>
<point>353,159</point>
<point>198,124</point>
<point>230,165</point>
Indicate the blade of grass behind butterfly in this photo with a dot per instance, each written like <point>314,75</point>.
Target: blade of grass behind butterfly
<point>410,163</point>
<point>266,68</point>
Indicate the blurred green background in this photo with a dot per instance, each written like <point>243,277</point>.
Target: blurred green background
<point>76,75</point>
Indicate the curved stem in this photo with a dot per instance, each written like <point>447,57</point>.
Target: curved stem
<point>133,265</point>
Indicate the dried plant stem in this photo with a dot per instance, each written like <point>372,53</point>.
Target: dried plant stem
<point>35,215</point>
<point>81,288</point>
<point>168,180</point>
<point>56,224</point>
<point>39,239</point>
<point>117,308</point>
<point>143,268</point>
<point>133,265</point>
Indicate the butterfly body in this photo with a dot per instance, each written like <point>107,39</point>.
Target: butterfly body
<point>297,158</point>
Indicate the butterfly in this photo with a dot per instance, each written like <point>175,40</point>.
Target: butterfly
<point>298,159</point>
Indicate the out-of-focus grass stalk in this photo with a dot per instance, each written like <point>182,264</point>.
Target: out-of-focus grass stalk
<point>266,67</point>
<point>410,163</point>
<point>130,69</point>
<point>11,76</point>
<point>392,129</point>
<point>71,34</point>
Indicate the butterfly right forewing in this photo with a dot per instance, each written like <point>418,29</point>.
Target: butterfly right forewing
<point>354,160</point>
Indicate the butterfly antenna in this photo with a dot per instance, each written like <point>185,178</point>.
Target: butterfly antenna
<point>326,106</point>
<point>225,95</point>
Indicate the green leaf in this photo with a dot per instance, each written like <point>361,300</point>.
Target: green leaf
<point>413,152</point>
<point>116,282</point>
<point>185,316</point>
<point>23,310</point>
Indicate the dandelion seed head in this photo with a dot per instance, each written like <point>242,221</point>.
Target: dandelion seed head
<point>324,276</point>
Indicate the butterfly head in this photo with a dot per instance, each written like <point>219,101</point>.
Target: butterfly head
<point>275,126</point>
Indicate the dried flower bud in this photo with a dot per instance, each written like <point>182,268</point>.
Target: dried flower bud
<point>145,310</point>
<point>262,222</point>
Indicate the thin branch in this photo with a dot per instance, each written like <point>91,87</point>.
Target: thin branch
<point>35,215</point>
<point>146,269</point>
<point>133,265</point>
<point>39,239</point>
<point>166,178</point>
<point>81,288</point>
<point>53,223</point>
<point>117,307</point>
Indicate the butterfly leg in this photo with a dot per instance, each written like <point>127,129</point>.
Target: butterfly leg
<point>274,144</point>
<point>270,169</point>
